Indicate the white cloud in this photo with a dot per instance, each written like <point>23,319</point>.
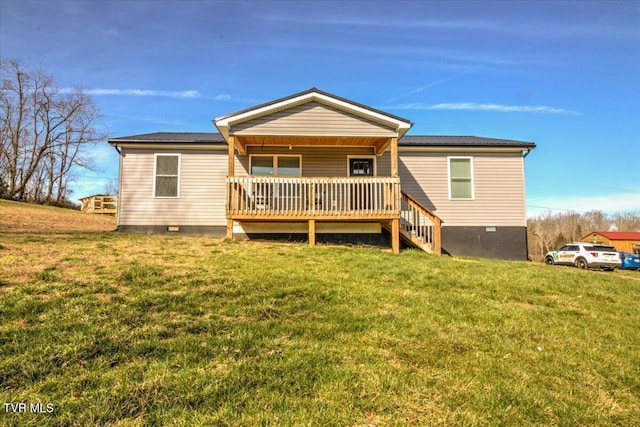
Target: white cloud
<point>229,98</point>
<point>178,123</point>
<point>553,29</point>
<point>166,93</point>
<point>610,203</point>
<point>474,106</point>
<point>386,22</point>
<point>138,92</point>
<point>111,32</point>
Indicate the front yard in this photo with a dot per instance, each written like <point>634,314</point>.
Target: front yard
<point>125,329</point>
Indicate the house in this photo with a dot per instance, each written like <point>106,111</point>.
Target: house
<point>621,240</point>
<point>99,204</point>
<point>320,167</point>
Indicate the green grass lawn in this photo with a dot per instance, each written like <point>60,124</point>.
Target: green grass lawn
<point>135,330</point>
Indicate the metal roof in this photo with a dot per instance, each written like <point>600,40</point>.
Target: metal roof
<point>617,235</point>
<point>460,141</point>
<point>407,140</point>
<point>173,137</point>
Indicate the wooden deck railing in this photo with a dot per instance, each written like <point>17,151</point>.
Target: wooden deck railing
<point>419,225</point>
<point>100,204</point>
<point>256,197</point>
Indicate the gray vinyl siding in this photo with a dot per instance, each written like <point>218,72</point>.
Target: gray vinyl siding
<point>202,190</point>
<point>313,119</point>
<point>498,186</point>
<point>316,161</point>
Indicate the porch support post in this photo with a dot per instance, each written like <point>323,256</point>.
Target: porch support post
<point>395,223</point>
<point>229,229</point>
<point>437,237</point>
<point>312,232</point>
<point>395,236</point>
<point>394,157</point>
<point>230,173</point>
<point>232,144</point>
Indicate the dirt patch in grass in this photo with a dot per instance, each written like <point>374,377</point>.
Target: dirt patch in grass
<point>24,217</point>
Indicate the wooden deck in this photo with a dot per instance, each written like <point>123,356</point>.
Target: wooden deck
<point>297,198</point>
<point>100,204</point>
<point>256,198</point>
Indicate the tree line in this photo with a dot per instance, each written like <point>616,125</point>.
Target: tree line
<point>44,130</point>
<point>549,231</point>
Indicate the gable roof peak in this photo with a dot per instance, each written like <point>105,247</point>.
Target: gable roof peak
<point>224,123</point>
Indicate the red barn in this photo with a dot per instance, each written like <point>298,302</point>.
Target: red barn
<point>621,240</point>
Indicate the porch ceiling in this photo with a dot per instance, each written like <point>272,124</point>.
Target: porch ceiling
<point>379,144</point>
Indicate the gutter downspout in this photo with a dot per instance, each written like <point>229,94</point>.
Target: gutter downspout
<point>119,150</point>
<point>526,224</point>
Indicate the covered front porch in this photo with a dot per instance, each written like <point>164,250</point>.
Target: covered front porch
<point>314,157</point>
<point>261,197</point>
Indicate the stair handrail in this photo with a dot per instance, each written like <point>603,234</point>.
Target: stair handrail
<point>436,243</point>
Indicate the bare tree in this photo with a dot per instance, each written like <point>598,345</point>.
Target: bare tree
<point>595,221</point>
<point>569,227</point>
<point>542,235</point>
<point>111,188</point>
<point>626,221</point>
<point>44,131</point>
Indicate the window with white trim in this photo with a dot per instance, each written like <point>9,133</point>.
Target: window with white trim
<point>460,178</point>
<point>167,175</point>
<point>361,165</point>
<point>276,165</point>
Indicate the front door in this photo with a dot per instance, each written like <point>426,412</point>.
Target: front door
<point>360,167</point>
<point>361,191</point>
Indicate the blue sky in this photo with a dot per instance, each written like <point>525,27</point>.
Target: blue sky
<point>565,75</point>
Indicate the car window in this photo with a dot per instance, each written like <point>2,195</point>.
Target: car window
<point>564,248</point>
<point>573,248</point>
<point>603,248</point>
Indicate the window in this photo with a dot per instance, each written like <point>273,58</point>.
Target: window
<point>460,178</point>
<point>167,175</point>
<point>361,165</point>
<point>262,165</point>
<point>288,166</point>
<point>276,165</point>
<point>600,248</point>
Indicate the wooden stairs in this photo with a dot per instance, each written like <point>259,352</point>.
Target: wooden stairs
<point>419,227</point>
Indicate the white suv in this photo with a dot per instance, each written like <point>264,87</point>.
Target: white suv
<point>585,255</point>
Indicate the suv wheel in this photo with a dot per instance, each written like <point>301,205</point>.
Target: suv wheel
<point>548,260</point>
<point>582,264</point>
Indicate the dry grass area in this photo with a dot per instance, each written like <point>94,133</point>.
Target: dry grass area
<point>24,217</point>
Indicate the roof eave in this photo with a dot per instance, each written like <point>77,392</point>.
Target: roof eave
<point>461,149</point>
